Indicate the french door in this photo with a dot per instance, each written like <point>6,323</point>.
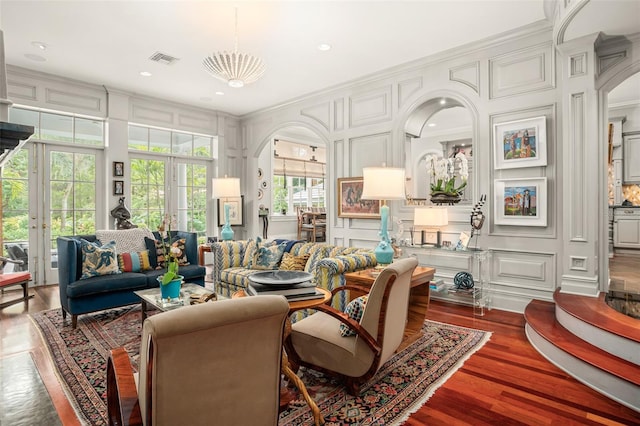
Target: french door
<point>50,191</point>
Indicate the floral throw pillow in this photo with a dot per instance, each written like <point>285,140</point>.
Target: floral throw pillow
<point>98,260</point>
<point>268,257</point>
<point>354,310</point>
<point>157,248</point>
<point>182,255</point>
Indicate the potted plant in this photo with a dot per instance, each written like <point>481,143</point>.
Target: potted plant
<point>170,282</point>
<point>443,177</point>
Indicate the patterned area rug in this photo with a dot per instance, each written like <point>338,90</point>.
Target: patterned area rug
<point>401,386</point>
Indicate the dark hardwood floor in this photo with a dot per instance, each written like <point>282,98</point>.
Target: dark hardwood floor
<point>505,383</point>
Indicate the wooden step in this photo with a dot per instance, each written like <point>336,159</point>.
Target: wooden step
<point>596,312</point>
<point>541,317</point>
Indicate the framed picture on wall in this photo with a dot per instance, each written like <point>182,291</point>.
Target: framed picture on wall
<point>236,216</point>
<point>350,205</point>
<point>118,168</point>
<point>521,202</point>
<point>118,187</point>
<point>521,143</point>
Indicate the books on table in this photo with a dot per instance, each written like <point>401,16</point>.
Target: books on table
<point>301,291</point>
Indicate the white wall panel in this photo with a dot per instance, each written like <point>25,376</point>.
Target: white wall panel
<point>367,151</point>
<point>319,113</point>
<point>21,91</point>
<point>407,88</point>
<point>521,71</point>
<point>370,107</point>
<point>524,269</point>
<point>468,74</point>
<point>338,112</point>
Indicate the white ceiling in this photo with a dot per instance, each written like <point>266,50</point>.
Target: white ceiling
<point>109,42</point>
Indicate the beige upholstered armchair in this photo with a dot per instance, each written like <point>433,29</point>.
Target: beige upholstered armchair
<point>213,363</point>
<point>316,340</point>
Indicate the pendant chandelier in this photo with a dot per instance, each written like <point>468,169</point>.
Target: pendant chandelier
<point>236,69</point>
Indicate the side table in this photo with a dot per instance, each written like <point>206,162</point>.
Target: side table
<point>418,298</point>
<point>16,278</point>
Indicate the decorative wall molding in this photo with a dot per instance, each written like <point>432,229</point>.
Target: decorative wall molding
<point>21,90</point>
<point>370,150</point>
<point>73,101</point>
<point>608,61</point>
<point>577,170</point>
<point>531,270</point>
<point>370,107</point>
<point>468,74</point>
<point>197,121</point>
<point>319,113</point>
<point>407,88</point>
<point>145,115</point>
<point>578,65</point>
<point>583,286</point>
<point>338,114</point>
<point>521,71</point>
<point>578,263</point>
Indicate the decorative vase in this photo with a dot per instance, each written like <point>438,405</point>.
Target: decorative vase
<point>172,289</point>
<point>444,198</point>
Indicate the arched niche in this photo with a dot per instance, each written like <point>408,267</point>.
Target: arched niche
<point>441,126</point>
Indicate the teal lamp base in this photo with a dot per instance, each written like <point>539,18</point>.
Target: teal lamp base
<point>227,233</point>
<point>384,251</point>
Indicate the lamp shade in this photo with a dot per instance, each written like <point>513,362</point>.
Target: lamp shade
<point>383,183</point>
<point>430,216</point>
<point>226,187</point>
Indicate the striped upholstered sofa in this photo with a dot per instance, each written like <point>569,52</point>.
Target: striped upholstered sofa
<point>327,264</point>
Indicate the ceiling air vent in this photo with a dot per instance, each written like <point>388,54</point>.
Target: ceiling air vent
<point>163,58</point>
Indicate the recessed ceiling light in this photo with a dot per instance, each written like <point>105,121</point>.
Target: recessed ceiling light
<point>40,45</point>
<point>324,47</point>
<point>145,73</point>
<point>36,58</point>
<point>443,101</point>
<point>219,93</point>
<point>431,124</point>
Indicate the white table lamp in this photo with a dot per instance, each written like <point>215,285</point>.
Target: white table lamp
<point>430,217</point>
<point>226,188</point>
<point>383,183</point>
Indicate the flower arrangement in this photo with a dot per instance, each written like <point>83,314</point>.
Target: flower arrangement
<point>443,174</point>
<point>171,252</point>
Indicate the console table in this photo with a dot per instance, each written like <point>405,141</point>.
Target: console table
<point>418,298</point>
<point>448,263</point>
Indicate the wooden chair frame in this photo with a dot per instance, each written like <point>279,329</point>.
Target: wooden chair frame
<point>375,343</point>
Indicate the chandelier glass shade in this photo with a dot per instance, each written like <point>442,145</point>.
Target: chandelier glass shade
<point>234,68</point>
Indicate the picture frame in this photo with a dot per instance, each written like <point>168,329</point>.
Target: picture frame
<point>118,187</point>
<point>236,211</point>
<point>349,203</point>
<point>118,168</point>
<point>521,143</point>
<point>521,202</point>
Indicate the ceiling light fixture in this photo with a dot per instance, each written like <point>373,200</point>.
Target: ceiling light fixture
<point>236,69</point>
<point>324,47</point>
<point>40,45</point>
<point>145,73</point>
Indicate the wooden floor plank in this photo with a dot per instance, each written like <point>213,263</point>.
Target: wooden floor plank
<point>507,382</point>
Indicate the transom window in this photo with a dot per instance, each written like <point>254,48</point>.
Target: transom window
<point>61,127</point>
<point>165,141</point>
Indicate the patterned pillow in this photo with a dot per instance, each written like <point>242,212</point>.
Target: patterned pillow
<point>249,252</point>
<point>98,260</point>
<point>293,263</point>
<point>134,262</point>
<point>157,247</point>
<point>354,310</point>
<point>268,257</point>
